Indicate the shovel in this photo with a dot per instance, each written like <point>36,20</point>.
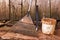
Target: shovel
<point>37,18</point>
<point>36,15</point>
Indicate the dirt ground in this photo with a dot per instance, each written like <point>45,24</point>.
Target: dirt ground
<point>6,34</point>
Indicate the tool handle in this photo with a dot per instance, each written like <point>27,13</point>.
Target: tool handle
<point>30,5</point>
<point>37,17</point>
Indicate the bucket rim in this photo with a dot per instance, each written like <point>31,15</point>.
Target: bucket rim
<point>48,21</point>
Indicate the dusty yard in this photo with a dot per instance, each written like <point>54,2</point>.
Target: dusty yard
<point>8,33</point>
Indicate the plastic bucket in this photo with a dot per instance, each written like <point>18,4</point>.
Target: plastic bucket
<point>48,25</point>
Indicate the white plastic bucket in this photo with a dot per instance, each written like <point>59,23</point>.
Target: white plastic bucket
<point>48,25</point>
